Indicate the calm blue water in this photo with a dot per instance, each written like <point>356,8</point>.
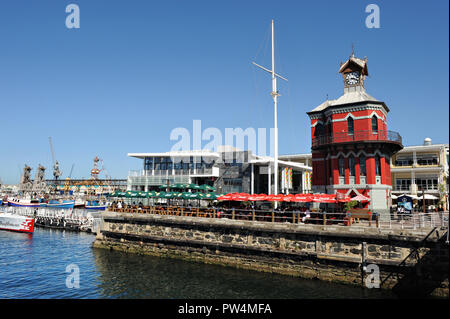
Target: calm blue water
<point>34,266</point>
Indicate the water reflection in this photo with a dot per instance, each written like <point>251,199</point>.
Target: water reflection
<point>123,275</point>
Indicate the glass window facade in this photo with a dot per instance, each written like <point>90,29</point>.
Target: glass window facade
<point>403,184</point>
<point>425,183</point>
<point>427,160</point>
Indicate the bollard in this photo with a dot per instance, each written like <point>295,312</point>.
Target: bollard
<point>273,216</point>
<point>324,219</point>
<point>232,214</point>
<point>253,215</point>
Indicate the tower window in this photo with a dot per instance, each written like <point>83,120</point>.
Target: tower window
<point>374,124</point>
<point>319,130</point>
<point>350,125</point>
<point>351,165</point>
<point>377,165</point>
<point>341,166</point>
<point>362,165</point>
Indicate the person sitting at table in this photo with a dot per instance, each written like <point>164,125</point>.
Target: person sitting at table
<point>307,215</point>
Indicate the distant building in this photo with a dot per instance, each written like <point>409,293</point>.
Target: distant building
<point>351,145</point>
<point>228,170</point>
<point>421,168</point>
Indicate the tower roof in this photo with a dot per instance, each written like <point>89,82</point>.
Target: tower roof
<point>347,98</point>
<point>362,64</point>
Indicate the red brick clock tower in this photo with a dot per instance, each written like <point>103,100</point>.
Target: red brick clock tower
<point>351,146</point>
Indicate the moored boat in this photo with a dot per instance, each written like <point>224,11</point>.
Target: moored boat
<point>18,223</point>
<point>95,205</point>
<point>60,203</point>
<point>22,202</point>
<point>79,203</point>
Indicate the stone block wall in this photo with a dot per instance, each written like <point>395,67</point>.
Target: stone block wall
<point>309,251</point>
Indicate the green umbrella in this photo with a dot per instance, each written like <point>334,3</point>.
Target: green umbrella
<point>163,186</point>
<point>142,194</point>
<point>207,188</point>
<point>118,194</point>
<point>178,186</point>
<point>151,194</point>
<point>193,186</point>
<point>167,195</point>
<point>211,196</point>
<point>131,194</point>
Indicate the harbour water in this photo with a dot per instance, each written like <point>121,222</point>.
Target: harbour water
<point>37,266</point>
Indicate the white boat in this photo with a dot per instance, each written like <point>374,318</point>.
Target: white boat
<point>18,223</point>
<point>24,202</point>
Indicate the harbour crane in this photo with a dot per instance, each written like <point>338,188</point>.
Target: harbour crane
<point>56,171</point>
<point>71,170</point>
<point>67,183</point>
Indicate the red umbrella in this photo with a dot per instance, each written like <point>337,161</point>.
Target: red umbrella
<point>324,198</point>
<point>225,197</point>
<point>344,200</point>
<point>240,197</point>
<point>257,197</point>
<point>275,198</point>
<point>303,198</point>
<point>289,198</point>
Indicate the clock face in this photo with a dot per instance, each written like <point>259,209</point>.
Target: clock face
<point>352,78</point>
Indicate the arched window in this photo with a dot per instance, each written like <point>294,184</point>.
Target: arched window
<point>377,165</point>
<point>351,165</point>
<point>374,124</point>
<point>319,130</point>
<point>350,125</point>
<point>341,166</point>
<point>362,165</point>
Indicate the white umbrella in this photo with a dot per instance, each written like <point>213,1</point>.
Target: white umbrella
<point>409,195</point>
<point>429,196</point>
<point>393,196</point>
<point>361,198</point>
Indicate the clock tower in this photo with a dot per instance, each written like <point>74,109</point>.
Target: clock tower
<point>354,72</point>
<point>351,145</point>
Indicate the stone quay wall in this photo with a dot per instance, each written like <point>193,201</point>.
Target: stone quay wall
<point>409,262</point>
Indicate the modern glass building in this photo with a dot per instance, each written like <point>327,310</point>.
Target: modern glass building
<point>228,170</point>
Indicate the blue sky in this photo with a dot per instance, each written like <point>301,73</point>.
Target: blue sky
<point>135,70</point>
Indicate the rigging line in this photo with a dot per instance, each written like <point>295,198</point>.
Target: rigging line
<point>288,103</point>
<point>263,44</point>
<point>263,47</point>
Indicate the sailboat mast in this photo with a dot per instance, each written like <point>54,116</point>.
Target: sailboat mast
<point>275,106</point>
<point>275,95</point>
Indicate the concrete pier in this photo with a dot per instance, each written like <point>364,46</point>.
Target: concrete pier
<point>411,262</point>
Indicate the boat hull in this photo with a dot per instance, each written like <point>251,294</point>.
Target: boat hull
<point>98,207</point>
<point>16,223</point>
<point>68,204</point>
<point>19,204</point>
